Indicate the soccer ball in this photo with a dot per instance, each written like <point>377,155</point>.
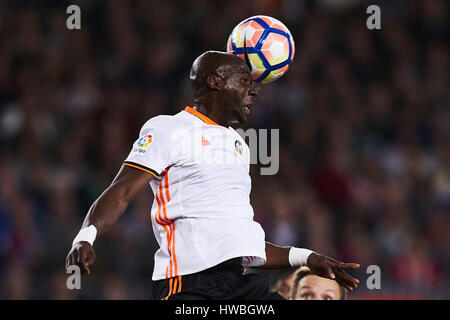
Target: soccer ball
<point>265,44</point>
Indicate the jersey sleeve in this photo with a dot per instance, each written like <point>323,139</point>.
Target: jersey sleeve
<point>152,152</point>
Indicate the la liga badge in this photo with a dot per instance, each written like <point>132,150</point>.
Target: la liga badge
<point>142,144</point>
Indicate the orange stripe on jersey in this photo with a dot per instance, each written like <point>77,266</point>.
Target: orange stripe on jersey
<point>167,227</point>
<point>167,230</point>
<point>162,223</point>
<point>166,179</point>
<point>179,284</point>
<point>161,195</point>
<point>172,225</point>
<point>170,286</point>
<point>201,116</point>
<point>170,289</point>
<point>140,168</point>
<point>175,286</point>
<point>167,224</point>
<point>173,250</point>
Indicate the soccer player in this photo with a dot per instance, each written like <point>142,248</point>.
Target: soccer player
<point>308,286</point>
<point>198,168</point>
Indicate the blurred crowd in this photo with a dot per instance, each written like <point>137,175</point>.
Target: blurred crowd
<point>364,121</point>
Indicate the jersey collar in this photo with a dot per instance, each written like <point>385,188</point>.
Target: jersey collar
<point>201,116</point>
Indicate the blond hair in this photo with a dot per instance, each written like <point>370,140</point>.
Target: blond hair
<point>305,271</point>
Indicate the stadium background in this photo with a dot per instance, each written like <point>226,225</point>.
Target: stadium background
<point>365,135</point>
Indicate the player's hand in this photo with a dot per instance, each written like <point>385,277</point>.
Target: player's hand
<point>82,254</point>
<point>326,267</point>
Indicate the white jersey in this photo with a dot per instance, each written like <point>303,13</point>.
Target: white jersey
<point>201,215</point>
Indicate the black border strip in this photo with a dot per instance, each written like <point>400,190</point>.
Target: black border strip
<point>142,167</point>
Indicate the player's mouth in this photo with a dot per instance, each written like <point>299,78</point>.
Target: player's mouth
<point>248,108</point>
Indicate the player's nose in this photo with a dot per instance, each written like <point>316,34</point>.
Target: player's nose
<point>254,90</point>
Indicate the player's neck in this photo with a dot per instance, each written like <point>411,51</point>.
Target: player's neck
<point>212,111</point>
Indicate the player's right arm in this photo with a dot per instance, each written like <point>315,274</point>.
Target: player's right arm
<point>105,211</point>
<point>150,154</point>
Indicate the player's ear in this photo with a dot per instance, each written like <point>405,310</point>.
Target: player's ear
<point>214,82</point>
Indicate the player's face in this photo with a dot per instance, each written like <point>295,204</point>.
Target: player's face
<point>312,287</point>
<point>240,92</point>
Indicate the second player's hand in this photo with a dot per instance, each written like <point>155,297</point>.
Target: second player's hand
<point>326,267</point>
<point>82,254</point>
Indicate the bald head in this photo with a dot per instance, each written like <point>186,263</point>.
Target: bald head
<point>223,87</point>
<point>214,63</point>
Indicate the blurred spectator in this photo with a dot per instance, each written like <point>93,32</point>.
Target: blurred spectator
<point>283,284</point>
<point>308,286</point>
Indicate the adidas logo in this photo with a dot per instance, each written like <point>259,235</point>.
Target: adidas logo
<point>205,142</point>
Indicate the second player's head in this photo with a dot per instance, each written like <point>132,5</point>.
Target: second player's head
<point>308,286</point>
<point>222,83</point>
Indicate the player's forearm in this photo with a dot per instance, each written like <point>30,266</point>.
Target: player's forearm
<point>106,210</point>
<point>113,202</point>
<point>276,257</point>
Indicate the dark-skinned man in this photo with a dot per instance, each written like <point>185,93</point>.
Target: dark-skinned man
<point>198,169</point>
